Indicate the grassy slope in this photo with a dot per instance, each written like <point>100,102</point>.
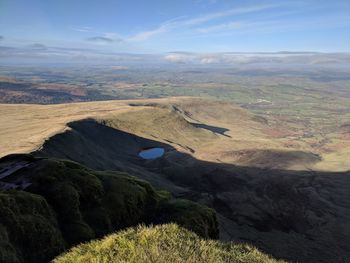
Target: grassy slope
<point>231,136</point>
<point>26,127</point>
<point>162,123</point>
<point>164,243</point>
<point>68,204</point>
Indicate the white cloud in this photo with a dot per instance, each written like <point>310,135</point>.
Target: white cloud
<point>209,60</point>
<point>180,58</point>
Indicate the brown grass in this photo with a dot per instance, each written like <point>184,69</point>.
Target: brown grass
<point>24,128</point>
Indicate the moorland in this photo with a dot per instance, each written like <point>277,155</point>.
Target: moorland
<point>250,156</point>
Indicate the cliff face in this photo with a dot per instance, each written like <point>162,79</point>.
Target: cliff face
<point>57,204</point>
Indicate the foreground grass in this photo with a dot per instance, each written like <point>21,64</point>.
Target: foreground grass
<point>162,243</point>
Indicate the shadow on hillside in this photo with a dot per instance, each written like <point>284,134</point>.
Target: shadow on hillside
<point>301,216</point>
<point>276,159</point>
<point>211,128</point>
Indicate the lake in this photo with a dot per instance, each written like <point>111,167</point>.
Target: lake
<point>152,153</point>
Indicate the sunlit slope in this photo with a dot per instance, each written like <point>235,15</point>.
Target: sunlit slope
<point>216,131</point>
<point>207,129</point>
<point>25,127</point>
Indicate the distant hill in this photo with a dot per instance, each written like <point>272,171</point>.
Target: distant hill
<point>31,92</point>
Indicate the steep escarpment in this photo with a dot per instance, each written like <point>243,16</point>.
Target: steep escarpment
<point>52,204</point>
<point>288,214</point>
<point>101,147</point>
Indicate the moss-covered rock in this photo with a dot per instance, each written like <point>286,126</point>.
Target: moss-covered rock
<point>190,215</point>
<point>67,204</point>
<point>28,228</point>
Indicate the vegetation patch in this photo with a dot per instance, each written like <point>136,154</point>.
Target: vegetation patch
<point>162,243</point>
<point>28,228</point>
<point>67,204</point>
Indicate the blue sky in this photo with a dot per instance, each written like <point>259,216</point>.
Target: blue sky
<point>158,26</point>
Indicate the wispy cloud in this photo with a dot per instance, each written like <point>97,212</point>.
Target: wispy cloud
<point>148,34</point>
<point>183,23</point>
<point>220,27</point>
<point>199,20</point>
<point>1,38</point>
<point>231,12</point>
<point>267,26</point>
<point>84,29</point>
<point>103,40</point>
<point>99,37</point>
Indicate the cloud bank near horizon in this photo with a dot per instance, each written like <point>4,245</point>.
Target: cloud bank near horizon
<point>40,53</point>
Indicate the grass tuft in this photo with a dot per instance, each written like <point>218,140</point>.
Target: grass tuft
<point>162,243</point>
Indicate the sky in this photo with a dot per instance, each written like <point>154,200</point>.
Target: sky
<point>160,26</point>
